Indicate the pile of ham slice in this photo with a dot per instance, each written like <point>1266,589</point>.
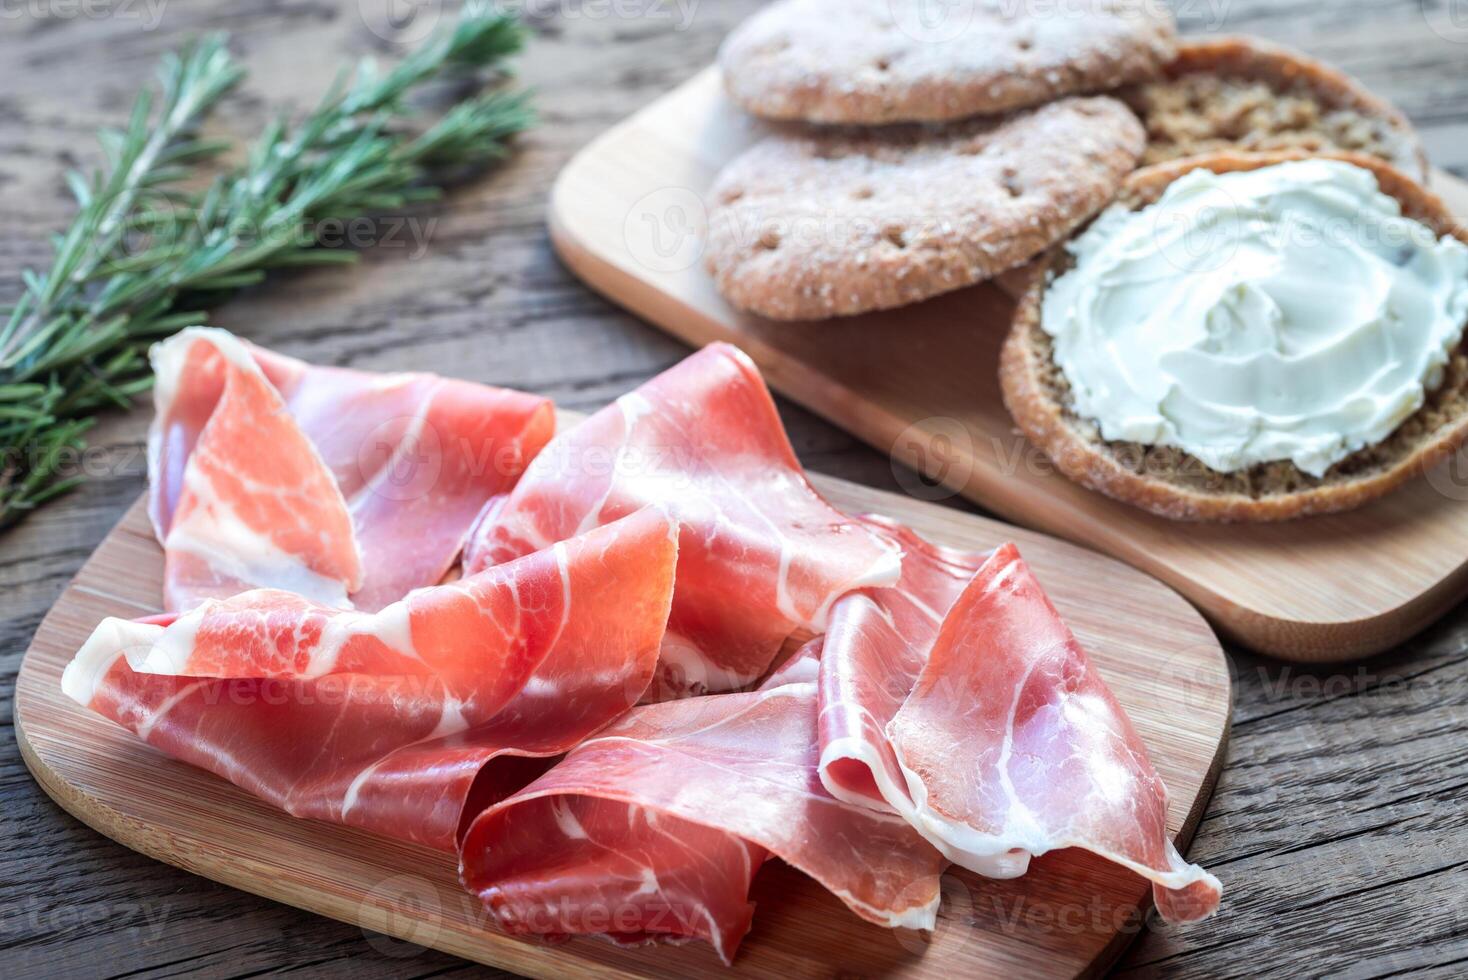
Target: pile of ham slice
<point>589,712</point>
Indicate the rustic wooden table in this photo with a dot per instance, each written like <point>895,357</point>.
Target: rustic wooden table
<point>1339,823</point>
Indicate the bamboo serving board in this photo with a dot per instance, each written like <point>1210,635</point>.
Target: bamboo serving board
<point>1072,915</point>
<point>921,384</point>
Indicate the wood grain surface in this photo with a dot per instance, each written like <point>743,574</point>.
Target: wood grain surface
<point>1071,916</point>
<point>1338,820</point>
<point>628,216</point>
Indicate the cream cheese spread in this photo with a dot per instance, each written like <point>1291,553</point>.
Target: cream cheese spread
<point>1287,313</point>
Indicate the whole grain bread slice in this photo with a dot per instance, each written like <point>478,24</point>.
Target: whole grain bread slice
<point>811,225</point>
<point>1173,484</point>
<point>1246,94</point>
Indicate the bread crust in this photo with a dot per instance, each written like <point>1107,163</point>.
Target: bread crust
<point>1172,484</point>
<point>872,62</point>
<point>1285,70</point>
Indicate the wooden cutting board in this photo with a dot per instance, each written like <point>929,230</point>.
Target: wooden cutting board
<point>920,383</point>
<point>1072,915</point>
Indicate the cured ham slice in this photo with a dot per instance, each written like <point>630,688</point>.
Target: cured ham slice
<point>240,497</point>
<point>761,554</point>
<point>655,828</point>
<point>385,720</point>
<point>872,654</point>
<point>412,460</point>
<point>417,458</point>
<point>1012,745</point>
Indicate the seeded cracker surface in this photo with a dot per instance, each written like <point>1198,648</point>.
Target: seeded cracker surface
<point>1248,94</point>
<point>871,62</point>
<point>1176,485</point>
<point>810,226</point>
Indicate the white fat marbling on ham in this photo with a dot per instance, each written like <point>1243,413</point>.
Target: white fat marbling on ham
<point>566,821</point>
<point>333,483</point>
<point>762,555</point>
<point>877,643</point>
<point>240,497</point>
<point>384,720</point>
<point>959,701</point>
<point>692,796</point>
<point>1012,746</point>
<point>111,641</point>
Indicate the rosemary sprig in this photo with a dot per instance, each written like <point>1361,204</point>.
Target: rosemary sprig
<point>64,352</point>
<point>143,253</point>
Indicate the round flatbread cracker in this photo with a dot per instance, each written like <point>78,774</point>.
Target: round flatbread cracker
<point>1245,93</point>
<point>870,62</point>
<point>810,226</point>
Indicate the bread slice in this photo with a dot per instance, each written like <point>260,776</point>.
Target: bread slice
<point>812,224</point>
<point>1242,93</point>
<point>876,62</point>
<point>1173,484</point>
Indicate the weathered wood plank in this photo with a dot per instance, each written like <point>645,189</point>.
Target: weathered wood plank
<point>1338,825</point>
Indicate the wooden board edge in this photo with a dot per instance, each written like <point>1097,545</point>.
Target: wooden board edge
<point>1323,644</point>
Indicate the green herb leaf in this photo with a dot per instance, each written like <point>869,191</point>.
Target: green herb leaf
<point>142,245</point>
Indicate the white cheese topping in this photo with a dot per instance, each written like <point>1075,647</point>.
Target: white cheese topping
<point>1287,313</point>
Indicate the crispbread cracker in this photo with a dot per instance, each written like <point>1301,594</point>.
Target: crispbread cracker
<point>870,62</point>
<point>1243,93</point>
<point>1173,484</point>
<point>809,226</point>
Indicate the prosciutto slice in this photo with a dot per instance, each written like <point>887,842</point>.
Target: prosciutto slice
<point>385,720</point>
<point>238,494</point>
<point>417,458</point>
<point>1011,745</point>
<point>412,459</point>
<point>761,554</point>
<point>656,827</point>
<point>871,656</point>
